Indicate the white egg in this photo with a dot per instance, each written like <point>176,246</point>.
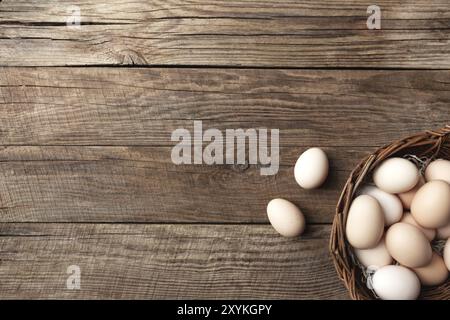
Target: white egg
<point>396,283</point>
<point>286,218</point>
<point>396,175</point>
<point>311,168</point>
<point>408,245</point>
<point>444,232</point>
<point>365,223</point>
<point>447,254</point>
<point>431,205</point>
<point>376,257</point>
<point>438,170</point>
<point>391,204</point>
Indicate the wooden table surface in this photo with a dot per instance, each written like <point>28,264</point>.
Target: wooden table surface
<point>86,116</point>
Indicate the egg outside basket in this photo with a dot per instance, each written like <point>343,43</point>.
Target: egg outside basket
<point>423,148</point>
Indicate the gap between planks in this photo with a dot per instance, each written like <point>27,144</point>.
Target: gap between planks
<point>226,67</point>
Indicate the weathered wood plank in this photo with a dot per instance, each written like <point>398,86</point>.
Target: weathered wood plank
<point>110,106</point>
<point>234,33</point>
<point>141,184</point>
<point>165,261</point>
<point>123,11</point>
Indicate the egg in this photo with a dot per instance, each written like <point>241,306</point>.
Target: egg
<point>433,274</point>
<point>431,205</point>
<point>396,283</point>
<point>390,204</point>
<point>447,254</point>
<point>396,175</point>
<point>438,170</point>
<point>376,257</point>
<point>407,197</point>
<point>444,232</point>
<point>311,168</point>
<point>429,233</point>
<point>286,218</point>
<point>408,245</point>
<point>365,223</point>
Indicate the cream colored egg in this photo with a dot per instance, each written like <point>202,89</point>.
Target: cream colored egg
<point>444,232</point>
<point>433,274</point>
<point>408,245</point>
<point>438,170</point>
<point>396,175</point>
<point>376,257</point>
<point>447,254</point>
<point>365,222</point>
<point>311,168</point>
<point>407,197</point>
<point>431,205</point>
<point>396,283</point>
<point>286,218</point>
<point>390,204</point>
<point>429,233</point>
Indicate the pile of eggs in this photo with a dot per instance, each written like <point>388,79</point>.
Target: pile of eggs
<point>391,225</point>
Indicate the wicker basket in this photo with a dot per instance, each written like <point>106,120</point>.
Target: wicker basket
<point>427,146</point>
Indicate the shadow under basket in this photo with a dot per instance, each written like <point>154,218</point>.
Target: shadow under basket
<point>421,148</point>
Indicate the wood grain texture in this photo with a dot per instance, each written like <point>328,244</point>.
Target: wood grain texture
<point>110,106</point>
<point>86,176</point>
<point>226,33</point>
<point>52,121</point>
<point>141,184</point>
<point>165,262</point>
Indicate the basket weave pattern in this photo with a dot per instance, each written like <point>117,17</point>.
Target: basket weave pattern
<point>429,145</point>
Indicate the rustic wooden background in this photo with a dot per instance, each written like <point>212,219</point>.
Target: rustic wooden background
<point>86,116</point>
